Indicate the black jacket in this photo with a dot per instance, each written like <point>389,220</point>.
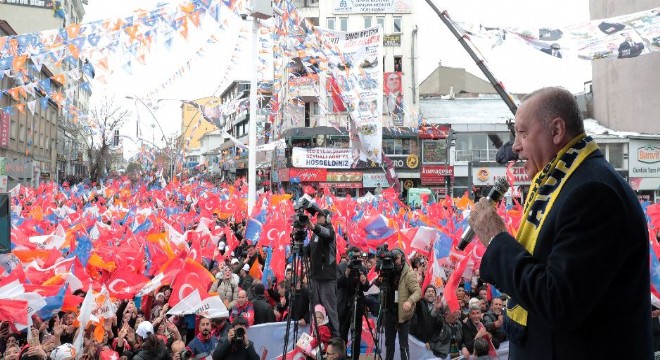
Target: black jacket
<point>441,339</point>
<point>590,262</point>
<point>346,287</point>
<point>225,351</point>
<point>323,253</point>
<point>263,311</point>
<point>422,324</point>
<point>159,353</point>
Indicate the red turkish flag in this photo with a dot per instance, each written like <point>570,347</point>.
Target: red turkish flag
<point>124,284</point>
<point>14,311</point>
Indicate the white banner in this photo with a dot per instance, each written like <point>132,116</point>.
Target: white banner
<point>268,341</point>
<point>372,7</point>
<point>372,180</point>
<point>358,72</point>
<point>272,145</point>
<point>328,158</point>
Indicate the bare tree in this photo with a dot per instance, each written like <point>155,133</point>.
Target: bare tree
<point>106,117</point>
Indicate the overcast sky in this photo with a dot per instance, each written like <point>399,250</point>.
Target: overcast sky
<point>519,67</point>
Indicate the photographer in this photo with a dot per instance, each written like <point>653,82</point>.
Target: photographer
<point>237,345</point>
<point>353,276</point>
<point>405,294</point>
<point>323,263</point>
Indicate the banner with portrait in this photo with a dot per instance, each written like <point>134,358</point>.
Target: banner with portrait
<point>620,37</point>
<point>357,70</point>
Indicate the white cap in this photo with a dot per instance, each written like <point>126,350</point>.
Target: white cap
<point>234,261</point>
<point>63,352</point>
<point>246,267</point>
<point>144,329</point>
<point>221,245</point>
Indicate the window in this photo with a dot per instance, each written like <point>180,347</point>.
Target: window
<point>476,147</point>
<point>12,129</point>
<point>331,23</point>
<point>380,20</point>
<point>399,146</point>
<point>343,23</point>
<point>434,151</point>
<point>615,155</point>
<point>330,105</point>
<point>367,22</point>
<point>398,63</point>
<point>397,24</point>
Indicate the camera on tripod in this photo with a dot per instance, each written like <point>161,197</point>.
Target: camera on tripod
<point>384,260</point>
<point>301,219</point>
<point>354,263</point>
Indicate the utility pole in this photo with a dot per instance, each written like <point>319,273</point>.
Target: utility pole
<point>252,124</point>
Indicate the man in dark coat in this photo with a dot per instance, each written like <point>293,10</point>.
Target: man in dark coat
<point>263,311</point>
<point>323,264</point>
<point>581,254</point>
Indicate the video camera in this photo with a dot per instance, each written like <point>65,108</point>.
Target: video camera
<point>384,260</point>
<point>300,219</point>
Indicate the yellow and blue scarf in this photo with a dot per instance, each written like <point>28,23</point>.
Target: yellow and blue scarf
<point>546,186</point>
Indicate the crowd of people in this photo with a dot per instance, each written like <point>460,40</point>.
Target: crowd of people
<point>143,330</point>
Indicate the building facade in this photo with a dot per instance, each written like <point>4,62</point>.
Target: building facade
<point>316,124</point>
<point>193,127</point>
<point>44,144</point>
<point>626,90</point>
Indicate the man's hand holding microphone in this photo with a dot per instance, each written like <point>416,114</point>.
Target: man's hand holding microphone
<point>484,221</point>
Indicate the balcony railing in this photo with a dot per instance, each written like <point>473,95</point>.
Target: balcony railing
<point>476,155</point>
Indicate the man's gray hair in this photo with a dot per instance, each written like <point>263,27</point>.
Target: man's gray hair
<point>558,102</point>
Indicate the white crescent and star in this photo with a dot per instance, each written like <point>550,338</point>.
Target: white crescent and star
<point>114,283</point>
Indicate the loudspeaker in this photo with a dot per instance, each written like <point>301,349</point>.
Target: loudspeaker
<point>5,224</point>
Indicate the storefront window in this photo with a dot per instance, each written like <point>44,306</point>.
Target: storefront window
<point>615,155</point>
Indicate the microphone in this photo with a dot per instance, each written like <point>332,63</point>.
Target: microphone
<point>494,196</point>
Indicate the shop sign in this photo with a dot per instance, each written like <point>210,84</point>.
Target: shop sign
<point>435,174</point>
<point>372,7</point>
<point>644,158</point>
<point>486,175</point>
<point>4,129</point>
<point>392,40</point>
<point>344,185</point>
<point>308,175</point>
<point>45,4</point>
<point>345,176</point>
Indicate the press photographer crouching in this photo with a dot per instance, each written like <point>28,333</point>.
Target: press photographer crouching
<point>237,346</point>
<point>398,284</point>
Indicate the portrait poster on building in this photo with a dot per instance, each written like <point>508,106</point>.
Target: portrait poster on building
<point>357,70</point>
<point>372,7</point>
<point>393,91</point>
